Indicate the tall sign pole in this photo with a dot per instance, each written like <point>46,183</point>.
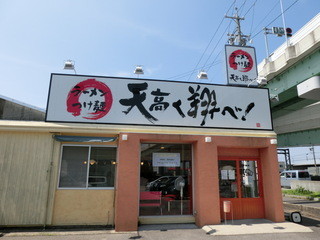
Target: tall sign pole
<point>241,64</point>
<point>266,42</point>
<point>284,22</point>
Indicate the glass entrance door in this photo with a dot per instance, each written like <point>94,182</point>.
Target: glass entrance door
<point>240,183</point>
<point>165,179</point>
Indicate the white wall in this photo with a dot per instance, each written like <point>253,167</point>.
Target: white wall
<point>308,185</point>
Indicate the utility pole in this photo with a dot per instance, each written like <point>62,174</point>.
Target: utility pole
<point>238,36</point>
<point>314,159</point>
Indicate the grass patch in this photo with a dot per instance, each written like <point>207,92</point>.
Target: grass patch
<point>300,191</point>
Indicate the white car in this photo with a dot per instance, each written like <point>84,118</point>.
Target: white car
<point>288,175</point>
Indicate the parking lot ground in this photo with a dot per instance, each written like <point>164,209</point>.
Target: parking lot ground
<point>249,230</point>
<point>240,230</point>
<point>307,208</point>
<point>254,226</point>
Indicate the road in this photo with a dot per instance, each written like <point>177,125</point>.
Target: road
<point>161,232</point>
<point>173,232</point>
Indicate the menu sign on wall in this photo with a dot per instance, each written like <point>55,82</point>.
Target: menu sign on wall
<point>166,159</point>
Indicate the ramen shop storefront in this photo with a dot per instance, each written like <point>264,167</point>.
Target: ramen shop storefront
<point>180,153</point>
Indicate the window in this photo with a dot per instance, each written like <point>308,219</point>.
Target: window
<point>228,179</point>
<point>165,179</point>
<point>239,179</point>
<point>249,179</point>
<point>303,174</point>
<point>87,167</point>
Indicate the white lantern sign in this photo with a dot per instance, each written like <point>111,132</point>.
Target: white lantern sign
<point>241,65</point>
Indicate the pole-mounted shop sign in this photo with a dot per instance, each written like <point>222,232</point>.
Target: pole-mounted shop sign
<point>241,65</point>
<point>108,100</point>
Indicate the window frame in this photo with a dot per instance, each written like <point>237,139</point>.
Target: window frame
<point>239,180</point>
<point>192,194</point>
<point>88,167</point>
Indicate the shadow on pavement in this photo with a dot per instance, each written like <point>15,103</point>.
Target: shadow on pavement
<point>310,222</point>
<point>166,227</point>
<point>58,229</point>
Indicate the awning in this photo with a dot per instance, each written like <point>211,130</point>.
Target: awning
<point>64,138</point>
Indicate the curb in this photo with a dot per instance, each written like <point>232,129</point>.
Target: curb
<point>60,233</point>
<point>301,197</point>
<point>304,210</point>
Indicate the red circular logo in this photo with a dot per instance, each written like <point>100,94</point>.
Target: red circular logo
<point>90,98</point>
<point>241,61</point>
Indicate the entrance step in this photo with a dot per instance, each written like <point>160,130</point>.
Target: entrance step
<point>166,219</point>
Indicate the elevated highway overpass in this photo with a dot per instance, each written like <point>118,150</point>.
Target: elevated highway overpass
<point>293,74</point>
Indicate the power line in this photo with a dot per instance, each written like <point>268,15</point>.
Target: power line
<point>192,72</point>
<point>217,44</point>
<point>242,6</point>
<point>267,15</point>
<point>187,73</point>
<point>230,24</point>
<point>252,17</point>
<point>210,55</point>
<point>283,12</point>
<point>215,60</point>
<point>210,65</point>
<point>276,18</point>
<point>250,8</point>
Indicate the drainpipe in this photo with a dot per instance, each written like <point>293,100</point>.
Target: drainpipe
<point>49,176</point>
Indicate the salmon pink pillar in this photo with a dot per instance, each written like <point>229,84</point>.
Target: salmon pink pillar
<point>206,189</point>
<point>271,184</point>
<point>127,184</point>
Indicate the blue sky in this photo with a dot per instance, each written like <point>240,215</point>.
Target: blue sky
<point>109,38</point>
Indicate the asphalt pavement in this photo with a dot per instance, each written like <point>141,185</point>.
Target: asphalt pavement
<point>308,208</point>
<point>311,230</point>
<point>240,229</point>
